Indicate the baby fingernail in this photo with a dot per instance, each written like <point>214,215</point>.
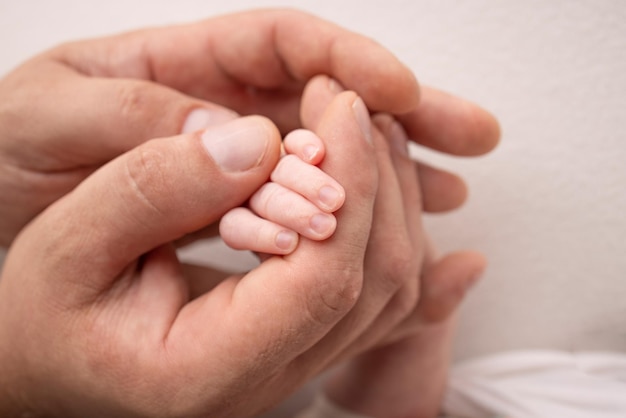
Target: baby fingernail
<point>286,240</point>
<point>330,198</point>
<point>322,224</point>
<point>310,152</point>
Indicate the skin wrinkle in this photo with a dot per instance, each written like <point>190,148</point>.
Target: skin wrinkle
<point>278,55</point>
<point>295,75</point>
<point>244,95</point>
<point>148,61</point>
<point>270,74</point>
<point>357,67</point>
<point>220,66</point>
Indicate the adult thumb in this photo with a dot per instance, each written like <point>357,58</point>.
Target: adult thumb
<point>152,195</point>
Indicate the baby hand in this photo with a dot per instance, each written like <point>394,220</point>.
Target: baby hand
<point>299,200</point>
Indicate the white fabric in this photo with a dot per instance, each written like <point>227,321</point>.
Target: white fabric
<point>526,384</point>
<point>536,384</point>
<point>323,408</point>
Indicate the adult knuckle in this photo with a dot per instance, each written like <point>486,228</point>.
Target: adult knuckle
<point>133,99</point>
<point>146,176</point>
<point>400,265</point>
<point>336,296</point>
<point>407,300</point>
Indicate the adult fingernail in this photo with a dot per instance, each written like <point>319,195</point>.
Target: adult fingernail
<point>202,118</point>
<point>363,118</point>
<point>334,86</point>
<point>475,278</point>
<point>398,138</point>
<point>238,145</point>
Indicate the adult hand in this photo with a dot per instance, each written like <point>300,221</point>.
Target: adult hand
<point>70,110</point>
<point>406,375</point>
<point>398,363</point>
<point>398,247</point>
<point>98,318</point>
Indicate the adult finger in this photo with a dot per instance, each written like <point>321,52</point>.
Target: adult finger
<point>440,190</point>
<point>450,124</point>
<point>444,284</point>
<point>242,60</point>
<point>441,121</point>
<point>397,244</point>
<point>388,226</point>
<point>227,352</point>
<point>288,303</point>
<point>154,194</point>
<point>109,116</point>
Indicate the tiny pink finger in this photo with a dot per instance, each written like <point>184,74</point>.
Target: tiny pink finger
<point>306,145</point>
<point>310,182</point>
<point>285,207</point>
<point>241,229</point>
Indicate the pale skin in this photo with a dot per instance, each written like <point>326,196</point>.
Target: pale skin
<point>93,277</point>
<point>299,201</point>
<point>133,87</point>
<point>404,378</point>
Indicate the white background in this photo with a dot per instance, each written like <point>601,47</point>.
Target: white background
<point>548,207</point>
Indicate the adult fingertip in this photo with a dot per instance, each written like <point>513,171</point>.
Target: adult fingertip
<point>491,130</point>
<point>241,144</point>
<point>318,93</point>
<point>442,191</point>
<point>411,90</point>
<point>451,124</point>
<point>482,130</point>
<point>480,264</point>
<point>456,273</point>
<point>468,265</point>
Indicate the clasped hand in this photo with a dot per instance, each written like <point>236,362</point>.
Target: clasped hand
<point>97,313</point>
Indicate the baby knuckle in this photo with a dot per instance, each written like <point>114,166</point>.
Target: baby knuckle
<point>267,198</point>
<point>288,162</point>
